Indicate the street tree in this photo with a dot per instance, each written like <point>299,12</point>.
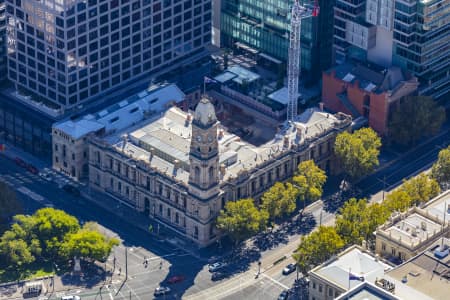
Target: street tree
<point>357,220</point>
<point>358,151</point>
<point>52,226</point>
<point>398,200</point>
<point>317,247</point>
<point>241,219</point>
<point>418,116</point>
<point>88,244</point>
<point>441,168</point>
<point>15,253</point>
<point>279,200</point>
<point>421,188</point>
<point>9,204</point>
<point>309,180</point>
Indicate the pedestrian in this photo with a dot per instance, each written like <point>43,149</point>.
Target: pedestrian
<point>160,264</point>
<point>120,271</point>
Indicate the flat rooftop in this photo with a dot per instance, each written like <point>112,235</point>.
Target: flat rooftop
<point>427,273</point>
<point>439,206</point>
<point>168,137</point>
<point>367,291</point>
<point>413,230</point>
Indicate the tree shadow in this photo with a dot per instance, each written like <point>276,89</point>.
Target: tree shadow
<point>92,274</point>
<point>300,224</point>
<point>335,201</point>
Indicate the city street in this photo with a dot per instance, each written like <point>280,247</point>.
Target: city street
<point>167,260</point>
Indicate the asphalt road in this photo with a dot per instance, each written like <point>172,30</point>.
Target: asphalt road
<point>141,281</point>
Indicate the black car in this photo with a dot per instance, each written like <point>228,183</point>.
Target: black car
<point>284,295</point>
<point>71,190</point>
<point>218,276</point>
<point>289,269</point>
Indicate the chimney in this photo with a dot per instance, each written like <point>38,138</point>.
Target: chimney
<point>176,166</point>
<point>321,106</point>
<point>152,152</point>
<point>222,169</point>
<point>286,141</point>
<point>423,225</point>
<point>221,133</point>
<point>299,134</point>
<point>124,141</point>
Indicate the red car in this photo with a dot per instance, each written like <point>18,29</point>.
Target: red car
<point>20,162</point>
<point>175,279</point>
<point>32,169</point>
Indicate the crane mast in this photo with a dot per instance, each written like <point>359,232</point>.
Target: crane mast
<point>298,13</point>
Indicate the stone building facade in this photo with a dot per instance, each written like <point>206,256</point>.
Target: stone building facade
<point>181,169</point>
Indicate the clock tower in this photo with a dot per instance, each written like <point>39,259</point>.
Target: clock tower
<point>204,152</point>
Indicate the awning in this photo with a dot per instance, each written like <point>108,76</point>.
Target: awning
<point>246,48</point>
<point>272,59</point>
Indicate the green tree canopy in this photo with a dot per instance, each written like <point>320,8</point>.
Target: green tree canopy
<point>52,226</point>
<point>241,219</point>
<point>358,152</point>
<point>279,200</point>
<point>418,116</point>
<point>398,200</point>
<point>9,205</point>
<point>357,220</point>
<point>87,243</point>
<point>441,168</point>
<point>317,247</point>
<point>309,180</point>
<point>421,188</point>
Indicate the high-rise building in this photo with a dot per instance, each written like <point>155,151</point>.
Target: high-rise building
<point>263,28</point>
<point>412,34</point>
<point>66,52</point>
<point>422,43</point>
<point>2,41</point>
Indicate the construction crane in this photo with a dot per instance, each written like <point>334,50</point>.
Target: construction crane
<point>299,12</point>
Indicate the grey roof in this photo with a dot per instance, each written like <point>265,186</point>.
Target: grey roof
<point>169,134</point>
<point>353,261</point>
<point>373,78</point>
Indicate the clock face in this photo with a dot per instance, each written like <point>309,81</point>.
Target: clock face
<point>199,138</point>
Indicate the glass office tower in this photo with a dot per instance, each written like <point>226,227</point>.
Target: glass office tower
<point>264,26</point>
<point>64,52</point>
<point>422,43</point>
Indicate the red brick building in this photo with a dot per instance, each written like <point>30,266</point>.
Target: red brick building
<point>362,91</point>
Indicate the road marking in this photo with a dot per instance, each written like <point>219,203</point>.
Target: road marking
<point>31,194</point>
<point>276,281</point>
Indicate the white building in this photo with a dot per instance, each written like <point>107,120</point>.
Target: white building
<point>65,52</point>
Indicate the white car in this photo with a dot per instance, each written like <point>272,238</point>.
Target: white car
<point>46,176</point>
<point>216,266</point>
<point>70,297</point>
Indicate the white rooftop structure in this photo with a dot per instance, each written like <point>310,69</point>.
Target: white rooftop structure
<point>280,96</point>
<point>413,230</point>
<point>125,113</point>
<point>352,261</point>
<point>238,74</point>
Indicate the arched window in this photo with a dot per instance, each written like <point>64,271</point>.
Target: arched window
<point>211,173</point>
<point>197,174</point>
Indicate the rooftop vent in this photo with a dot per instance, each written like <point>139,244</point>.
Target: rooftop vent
<point>441,252</point>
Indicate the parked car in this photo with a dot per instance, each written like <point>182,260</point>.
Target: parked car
<point>20,162</point>
<point>161,290</point>
<point>71,189</point>
<point>176,279</point>
<point>70,297</point>
<point>32,169</point>
<point>46,176</point>
<point>289,269</point>
<point>216,266</point>
<point>284,295</point>
<point>218,276</point>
